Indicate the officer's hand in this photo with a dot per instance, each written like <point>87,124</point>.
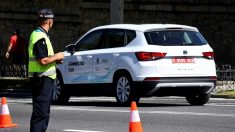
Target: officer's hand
<point>59,56</point>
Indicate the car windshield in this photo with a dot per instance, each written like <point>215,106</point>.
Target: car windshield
<point>174,38</point>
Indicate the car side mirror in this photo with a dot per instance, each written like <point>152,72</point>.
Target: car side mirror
<point>70,48</point>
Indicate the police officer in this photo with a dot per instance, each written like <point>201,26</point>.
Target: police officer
<point>42,70</point>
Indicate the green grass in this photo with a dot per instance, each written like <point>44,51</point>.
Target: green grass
<point>228,94</point>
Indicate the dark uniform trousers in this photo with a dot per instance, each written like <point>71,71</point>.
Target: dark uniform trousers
<point>42,88</point>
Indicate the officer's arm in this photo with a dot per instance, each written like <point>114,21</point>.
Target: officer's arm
<point>41,53</point>
<point>51,59</point>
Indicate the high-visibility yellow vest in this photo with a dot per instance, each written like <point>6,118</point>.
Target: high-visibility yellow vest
<point>34,66</point>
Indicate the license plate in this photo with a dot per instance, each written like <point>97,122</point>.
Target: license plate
<point>183,60</point>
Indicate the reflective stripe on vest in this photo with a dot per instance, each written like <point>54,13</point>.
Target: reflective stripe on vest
<point>34,66</point>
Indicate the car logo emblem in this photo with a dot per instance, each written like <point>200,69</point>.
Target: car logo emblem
<point>185,52</point>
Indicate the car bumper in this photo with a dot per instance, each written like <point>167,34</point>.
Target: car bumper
<point>176,86</point>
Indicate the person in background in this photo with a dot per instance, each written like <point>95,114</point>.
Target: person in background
<point>42,70</point>
<point>16,48</point>
<point>16,52</point>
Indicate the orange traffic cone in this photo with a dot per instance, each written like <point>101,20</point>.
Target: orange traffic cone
<point>5,118</point>
<point>135,124</point>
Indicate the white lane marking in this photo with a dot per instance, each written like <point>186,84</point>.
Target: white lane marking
<point>73,99</point>
<point>12,101</point>
<point>74,130</point>
<point>193,114</point>
<point>147,112</point>
<point>93,98</point>
<point>221,104</point>
<point>88,109</point>
<point>222,99</point>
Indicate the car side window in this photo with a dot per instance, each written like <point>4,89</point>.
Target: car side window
<point>114,38</point>
<point>130,35</point>
<point>90,41</point>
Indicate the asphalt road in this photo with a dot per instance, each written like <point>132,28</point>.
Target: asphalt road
<point>101,114</point>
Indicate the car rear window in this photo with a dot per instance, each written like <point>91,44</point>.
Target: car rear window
<point>174,38</point>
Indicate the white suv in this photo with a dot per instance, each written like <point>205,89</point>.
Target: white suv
<point>130,61</point>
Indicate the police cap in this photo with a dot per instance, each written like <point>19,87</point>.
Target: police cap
<point>45,14</point>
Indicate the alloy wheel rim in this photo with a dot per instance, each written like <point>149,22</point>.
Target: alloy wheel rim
<point>57,88</point>
<point>123,89</point>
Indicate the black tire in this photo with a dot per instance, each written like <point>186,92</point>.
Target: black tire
<point>124,90</point>
<point>198,99</point>
<point>59,95</point>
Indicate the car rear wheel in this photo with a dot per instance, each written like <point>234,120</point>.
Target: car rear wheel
<point>125,92</point>
<point>198,99</point>
<point>59,95</point>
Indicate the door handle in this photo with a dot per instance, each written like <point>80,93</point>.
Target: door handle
<point>89,56</point>
<point>116,54</point>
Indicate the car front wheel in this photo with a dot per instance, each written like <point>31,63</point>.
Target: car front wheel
<point>59,96</point>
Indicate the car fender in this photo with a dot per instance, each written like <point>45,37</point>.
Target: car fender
<point>128,63</point>
<point>61,67</point>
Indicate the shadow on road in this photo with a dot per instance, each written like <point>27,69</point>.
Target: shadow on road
<point>115,104</point>
<point>16,93</point>
<point>26,93</point>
